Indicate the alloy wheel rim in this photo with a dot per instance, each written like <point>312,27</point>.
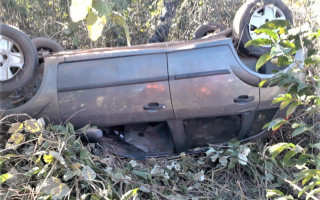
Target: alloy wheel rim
<point>261,16</point>
<point>11,58</point>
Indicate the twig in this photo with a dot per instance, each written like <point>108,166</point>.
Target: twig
<point>14,115</point>
<point>242,194</point>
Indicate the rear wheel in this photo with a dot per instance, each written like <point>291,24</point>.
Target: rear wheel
<point>251,16</point>
<point>210,27</point>
<point>46,46</point>
<point>18,59</point>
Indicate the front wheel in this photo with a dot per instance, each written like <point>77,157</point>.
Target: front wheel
<point>251,16</point>
<point>18,59</point>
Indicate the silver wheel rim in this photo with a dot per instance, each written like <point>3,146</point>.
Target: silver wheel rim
<point>263,15</point>
<point>11,58</point>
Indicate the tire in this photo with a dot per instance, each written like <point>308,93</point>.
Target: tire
<point>208,28</point>
<point>21,59</point>
<point>46,46</point>
<point>243,17</point>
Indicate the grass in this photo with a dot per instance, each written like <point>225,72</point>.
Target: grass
<point>55,152</point>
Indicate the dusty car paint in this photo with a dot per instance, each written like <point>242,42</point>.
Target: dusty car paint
<point>172,82</point>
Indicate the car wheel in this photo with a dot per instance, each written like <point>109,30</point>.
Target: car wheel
<point>251,16</point>
<point>210,27</point>
<point>46,46</point>
<point>18,59</point>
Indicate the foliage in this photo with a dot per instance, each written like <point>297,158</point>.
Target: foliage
<point>52,162</point>
<point>97,13</point>
<point>297,48</point>
<point>51,19</point>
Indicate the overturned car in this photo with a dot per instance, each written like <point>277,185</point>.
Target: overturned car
<point>148,100</point>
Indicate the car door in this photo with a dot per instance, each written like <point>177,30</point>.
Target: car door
<point>214,104</point>
<point>112,91</point>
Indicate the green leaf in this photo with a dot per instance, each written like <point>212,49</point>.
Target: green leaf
<point>262,83</point>
<point>314,60</point>
<point>287,157</point>
<point>302,159</point>
<point>141,174</point>
<point>262,60</point>
<point>316,35</point>
<point>32,171</point>
<point>299,130</point>
<point>266,126</point>
<point>282,30</point>
<point>68,175</point>
<point>278,148</point>
<point>88,174</point>
<point>306,180</point>
<point>79,9</point>
<point>59,192</point>
<point>279,51</point>
<point>272,25</point>
<point>70,128</point>
<point>103,7</point>
<point>95,25</point>
<point>268,32</point>
<point>306,188</point>
<point>75,41</point>
<point>274,193</point>
<point>59,128</point>
<point>275,124</point>
<point>312,193</point>
<point>317,145</point>
<point>259,42</point>
<point>120,20</point>
<point>296,125</point>
<point>129,194</point>
<point>302,86</point>
<point>288,44</point>
<point>53,186</point>
<point>292,108</point>
<point>95,197</point>
<point>283,61</point>
<point>285,103</point>
<point>281,97</point>
<point>5,177</point>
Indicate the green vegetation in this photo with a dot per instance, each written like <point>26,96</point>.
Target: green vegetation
<point>39,161</point>
<point>301,46</point>
<point>51,19</point>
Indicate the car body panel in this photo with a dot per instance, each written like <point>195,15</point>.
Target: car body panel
<point>96,90</point>
<point>97,71</point>
<point>45,103</point>
<point>204,77</point>
<point>267,94</point>
<point>196,80</point>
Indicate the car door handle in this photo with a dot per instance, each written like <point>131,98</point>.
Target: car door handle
<point>243,99</point>
<point>154,107</point>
